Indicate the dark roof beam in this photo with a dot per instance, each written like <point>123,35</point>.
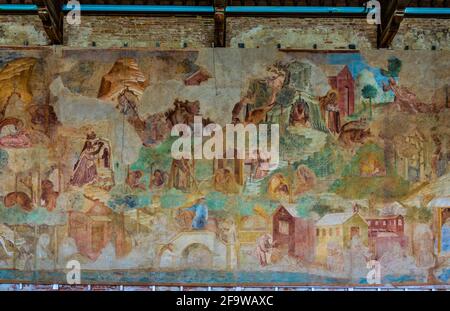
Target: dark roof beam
<point>219,23</point>
<point>392,14</point>
<point>50,12</point>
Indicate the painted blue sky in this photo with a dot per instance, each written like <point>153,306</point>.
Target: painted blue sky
<point>356,63</point>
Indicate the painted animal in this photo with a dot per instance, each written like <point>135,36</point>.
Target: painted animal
<point>358,124</point>
<point>48,196</point>
<point>353,136</point>
<point>258,115</point>
<point>354,132</point>
<point>278,79</point>
<point>19,198</point>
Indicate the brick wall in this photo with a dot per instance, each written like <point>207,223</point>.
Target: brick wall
<point>198,32</point>
<point>17,29</point>
<point>327,33</point>
<point>113,31</point>
<point>422,33</point>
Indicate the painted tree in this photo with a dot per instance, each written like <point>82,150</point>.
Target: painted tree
<point>154,157</point>
<point>293,145</point>
<point>324,162</point>
<point>369,92</point>
<point>393,69</point>
<point>284,100</point>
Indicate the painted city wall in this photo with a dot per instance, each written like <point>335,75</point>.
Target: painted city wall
<point>359,194</point>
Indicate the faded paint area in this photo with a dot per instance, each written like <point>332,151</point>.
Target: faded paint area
<point>168,32</point>
<point>300,33</point>
<point>433,86</point>
<point>87,171</point>
<point>17,30</point>
<point>422,34</point>
<point>197,32</point>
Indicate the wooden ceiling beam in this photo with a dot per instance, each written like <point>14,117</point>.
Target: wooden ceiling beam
<point>392,14</point>
<point>50,12</point>
<point>219,23</point>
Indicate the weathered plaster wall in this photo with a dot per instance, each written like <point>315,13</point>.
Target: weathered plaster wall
<point>18,29</point>
<point>326,33</point>
<point>170,32</point>
<point>197,32</point>
<point>422,34</point>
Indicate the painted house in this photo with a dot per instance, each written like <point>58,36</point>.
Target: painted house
<point>91,228</point>
<point>385,232</point>
<point>340,79</point>
<point>251,227</point>
<point>394,224</point>
<point>339,229</point>
<point>294,232</point>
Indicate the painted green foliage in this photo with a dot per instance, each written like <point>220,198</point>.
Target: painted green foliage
<point>38,216</point>
<point>369,92</point>
<point>370,149</point>
<point>323,163</point>
<point>325,168</point>
<point>393,69</point>
<point>293,145</point>
<point>155,157</point>
<point>418,214</point>
<point>354,185</point>
<point>173,198</point>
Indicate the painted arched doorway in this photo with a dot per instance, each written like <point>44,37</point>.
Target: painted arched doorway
<point>197,256</point>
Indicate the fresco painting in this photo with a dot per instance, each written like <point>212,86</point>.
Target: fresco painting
<point>87,173</point>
